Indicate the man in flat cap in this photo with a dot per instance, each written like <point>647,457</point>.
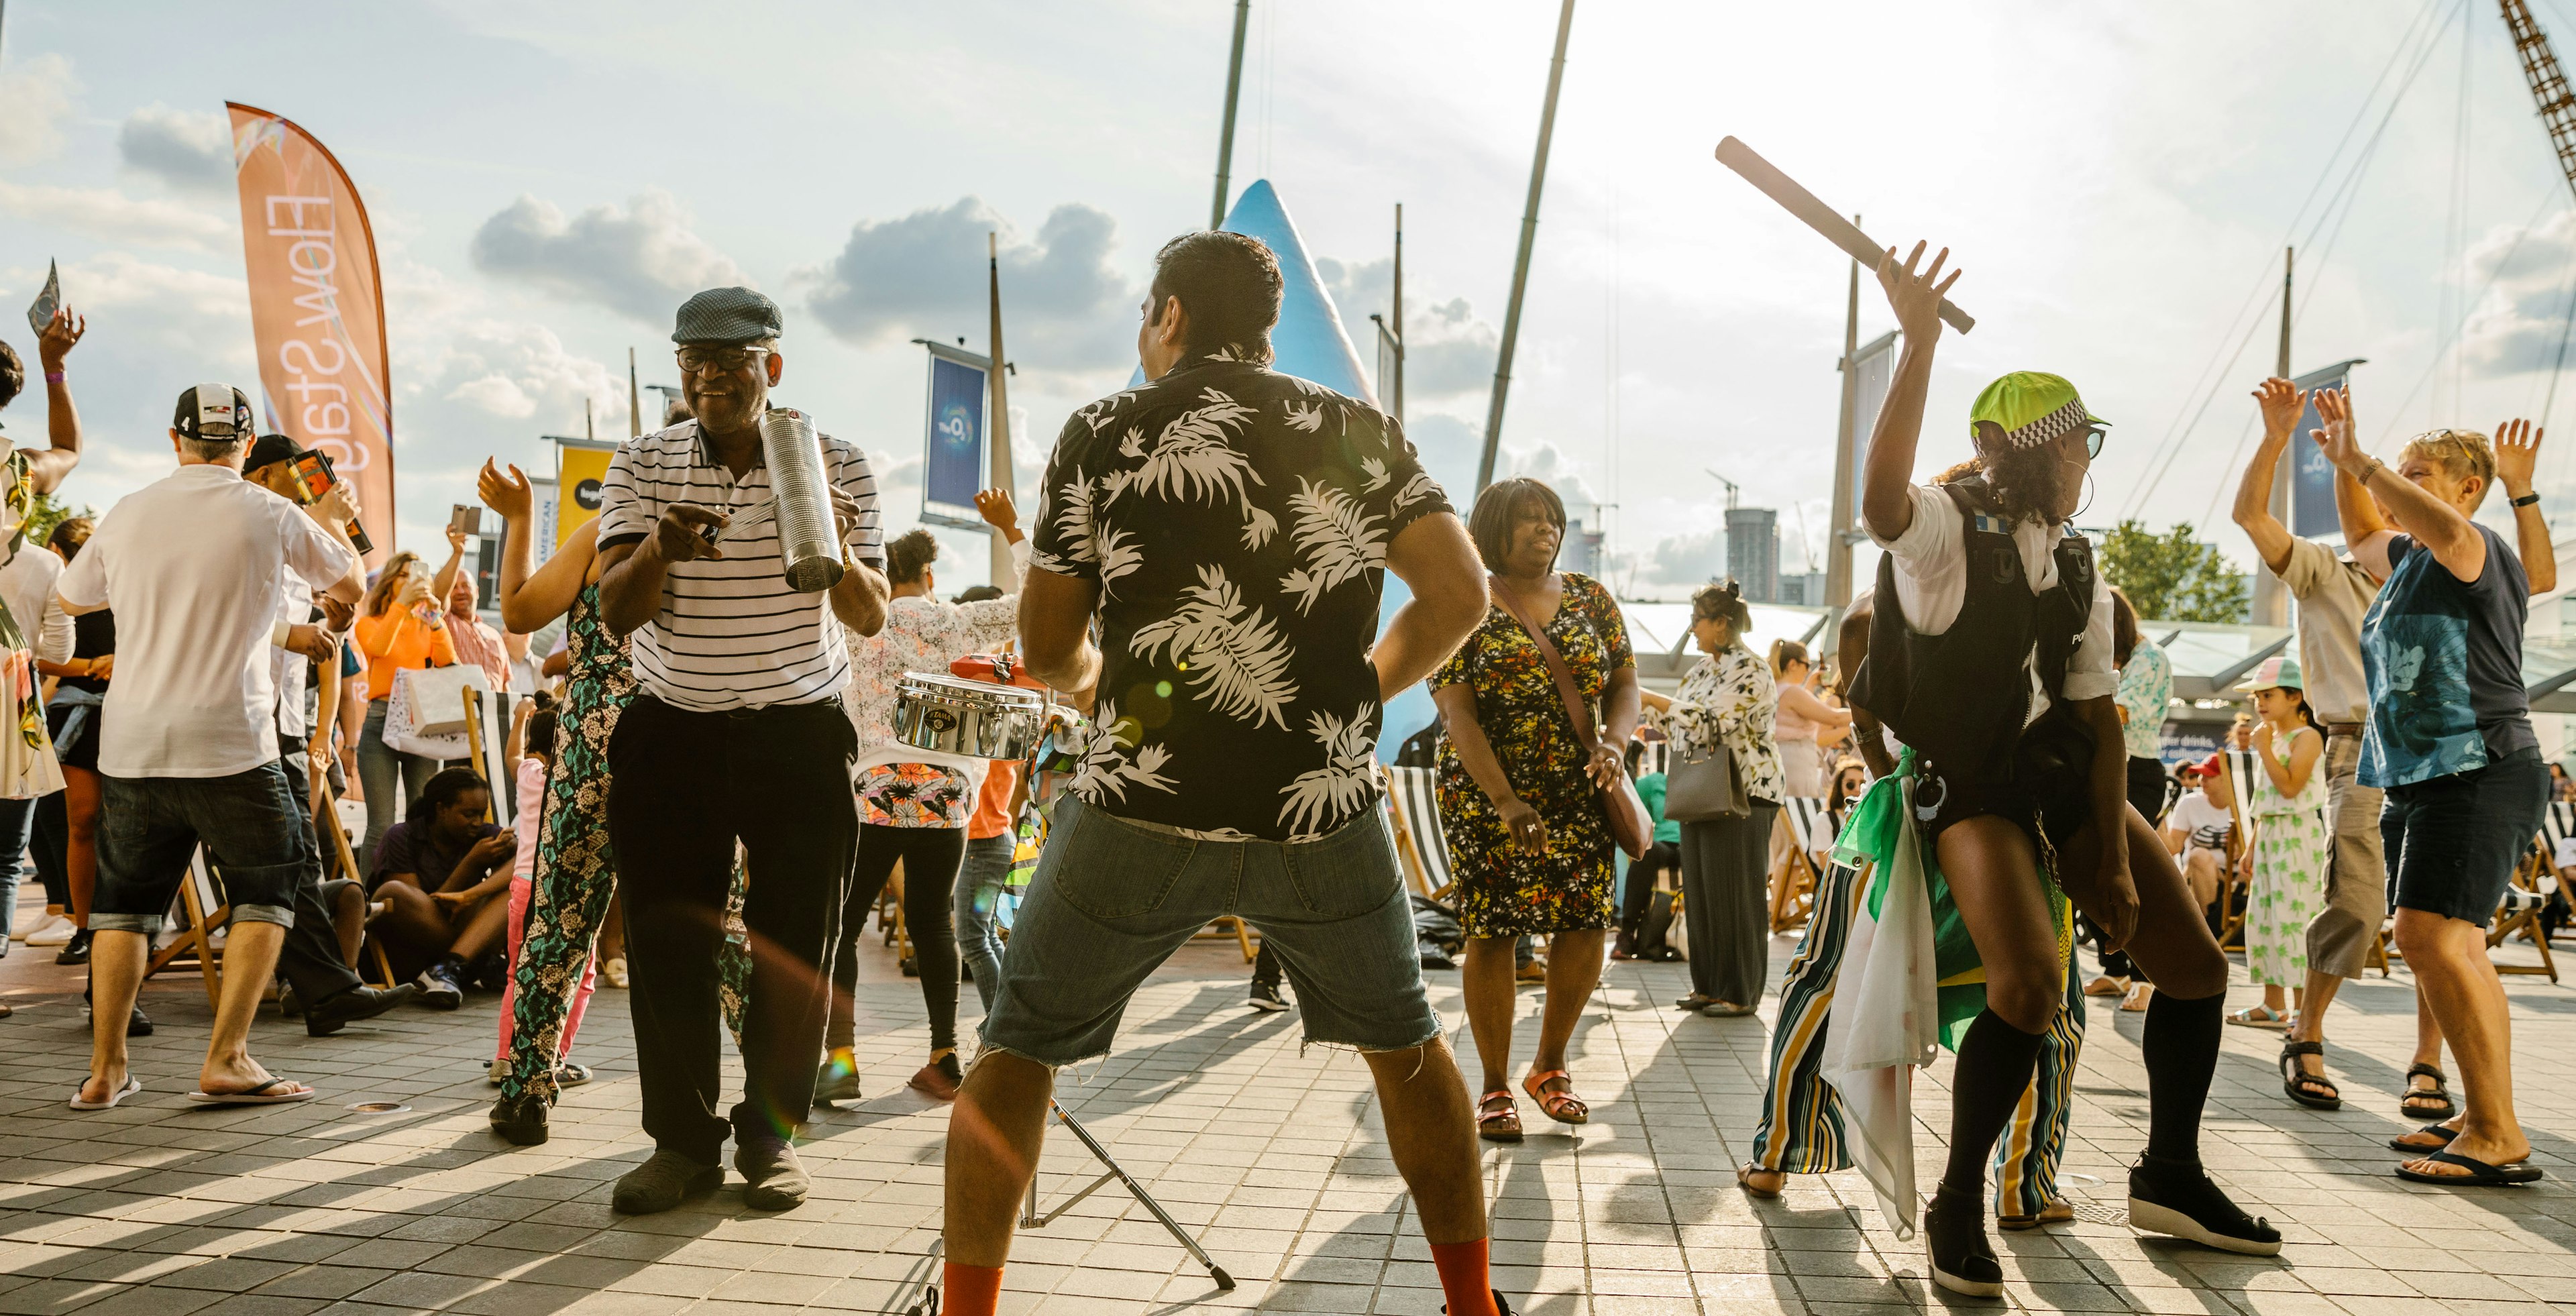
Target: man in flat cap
<point>736,735</point>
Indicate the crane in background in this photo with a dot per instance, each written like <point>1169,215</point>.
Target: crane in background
<point>2557,104</point>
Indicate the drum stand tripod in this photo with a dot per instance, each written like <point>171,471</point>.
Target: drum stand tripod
<point>1031,1219</point>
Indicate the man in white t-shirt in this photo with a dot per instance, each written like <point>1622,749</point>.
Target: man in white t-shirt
<point>196,567</point>
<point>2200,831</point>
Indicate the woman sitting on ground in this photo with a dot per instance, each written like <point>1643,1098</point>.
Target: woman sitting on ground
<point>443,871</point>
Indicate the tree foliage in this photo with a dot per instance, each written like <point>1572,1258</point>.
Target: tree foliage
<point>2172,576</point>
<point>50,511</point>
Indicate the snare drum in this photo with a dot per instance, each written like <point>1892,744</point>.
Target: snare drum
<point>976,719</point>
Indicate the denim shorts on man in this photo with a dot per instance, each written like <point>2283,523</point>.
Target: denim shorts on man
<point>150,827</point>
<point>1113,899</point>
<point>2452,842</point>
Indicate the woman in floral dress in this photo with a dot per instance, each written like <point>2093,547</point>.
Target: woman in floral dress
<point>1519,791</point>
<point>576,873</point>
<point>2289,851</point>
<point>914,804</point>
<point>1729,697</point>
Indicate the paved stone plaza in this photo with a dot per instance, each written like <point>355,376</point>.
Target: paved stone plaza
<point>1273,1156</point>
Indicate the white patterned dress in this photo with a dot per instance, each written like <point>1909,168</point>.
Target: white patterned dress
<point>2289,870</point>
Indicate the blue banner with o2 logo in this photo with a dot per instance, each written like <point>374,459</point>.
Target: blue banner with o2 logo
<point>954,456</point>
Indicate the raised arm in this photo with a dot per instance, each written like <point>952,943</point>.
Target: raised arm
<point>2365,534</point>
<point>530,595</point>
<point>2438,527</point>
<point>1055,630</point>
<point>1887,503</point>
<point>2517,453</point>
<point>445,580</point>
<point>47,467</point>
<point>2281,403</point>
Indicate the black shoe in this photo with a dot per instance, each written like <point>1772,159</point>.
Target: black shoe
<point>1954,1236</point>
<point>2177,1199</point>
<point>492,972</point>
<point>836,1079</point>
<point>139,1025</point>
<point>774,1179</point>
<point>339,1009</point>
<point>1499,1305</point>
<point>442,984</point>
<point>1266,998</point>
<point>664,1181</point>
<point>76,950</point>
<point>522,1120</point>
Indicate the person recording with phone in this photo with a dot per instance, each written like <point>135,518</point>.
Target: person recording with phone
<point>400,628</point>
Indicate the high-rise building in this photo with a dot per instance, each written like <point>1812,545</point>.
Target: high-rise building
<point>1753,552</point>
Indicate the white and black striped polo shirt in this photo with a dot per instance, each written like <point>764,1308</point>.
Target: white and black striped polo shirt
<point>731,633</point>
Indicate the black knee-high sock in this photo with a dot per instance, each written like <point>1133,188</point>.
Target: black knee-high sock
<point>1996,1061</point>
<point>2180,1047</point>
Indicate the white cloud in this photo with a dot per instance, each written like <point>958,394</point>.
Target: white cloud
<point>35,100</point>
<point>641,260</point>
<point>186,149</point>
<point>103,214</point>
<point>2519,324</point>
<point>1687,559</point>
<point>1064,304</point>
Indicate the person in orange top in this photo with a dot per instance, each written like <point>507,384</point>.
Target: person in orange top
<point>399,628</point>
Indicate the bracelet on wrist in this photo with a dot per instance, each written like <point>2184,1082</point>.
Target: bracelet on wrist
<point>2527,499</point>
<point>53,376</point>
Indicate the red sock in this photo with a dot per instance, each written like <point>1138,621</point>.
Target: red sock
<point>969,1290</point>
<point>1464,1277</point>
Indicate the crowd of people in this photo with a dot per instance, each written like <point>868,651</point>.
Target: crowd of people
<point>704,796</point>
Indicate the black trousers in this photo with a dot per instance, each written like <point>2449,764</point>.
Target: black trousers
<point>310,959</point>
<point>931,857</point>
<point>683,788</point>
<point>1661,857</point>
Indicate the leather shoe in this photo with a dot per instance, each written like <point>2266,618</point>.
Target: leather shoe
<point>328,1015</point>
<point>521,1119</point>
<point>776,1179</point>
<point>664,1181</point>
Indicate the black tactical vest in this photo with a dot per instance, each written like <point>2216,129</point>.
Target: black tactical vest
<point>1959,698</point>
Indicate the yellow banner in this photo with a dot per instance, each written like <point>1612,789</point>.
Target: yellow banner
<point>580,471</point>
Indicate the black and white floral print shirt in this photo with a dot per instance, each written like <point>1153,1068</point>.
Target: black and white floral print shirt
<point>1236,521</point>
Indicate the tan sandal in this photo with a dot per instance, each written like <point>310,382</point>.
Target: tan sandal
<point>2057,1212</point>
<point>1498,1122</point>
<point>1561,1105</point>
<point>1744,1179</point>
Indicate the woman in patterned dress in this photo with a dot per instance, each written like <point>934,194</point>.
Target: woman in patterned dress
<point>914,804</point>
<point>576,872</point>
<point>1519,791</point>
<point>2288,857</point>
<point>1728,698</point>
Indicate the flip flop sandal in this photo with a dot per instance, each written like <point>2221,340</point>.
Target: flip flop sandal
<point>1744,1179</point>
<point>2107,986</point>
<point>266,1094</point>
<point>1562,1106</point>
<point>1498,1122</point>
<point>571,1075</point>
<point>1725,1010</point>
<point>2440,1090</point>
<point>132,1086</point>
<point>1694,1002</point>
<point>2480,1174</point>
<point>2258,1016</point>
<point>2140,996</point>
<point>2314,1091</point>
<point>2057,1212</point>
<point>2445,1135</point>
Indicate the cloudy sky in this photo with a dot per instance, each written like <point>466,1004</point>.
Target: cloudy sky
<point>549,181</point>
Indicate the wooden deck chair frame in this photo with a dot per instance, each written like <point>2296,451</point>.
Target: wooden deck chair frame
<point>202,902</point>
<point>1793,887</point>
<point>1421,847</point>
<point>2238,764</point>
<point>2533,878</point>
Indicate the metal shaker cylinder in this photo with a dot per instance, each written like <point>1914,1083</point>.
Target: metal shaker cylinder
<point>807,544</point>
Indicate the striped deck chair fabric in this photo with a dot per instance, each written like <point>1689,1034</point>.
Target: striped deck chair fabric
<point>1413,794</point>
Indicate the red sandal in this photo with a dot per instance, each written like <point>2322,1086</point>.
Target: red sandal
<point>1498,1123</point>
<point>1562,1106</point>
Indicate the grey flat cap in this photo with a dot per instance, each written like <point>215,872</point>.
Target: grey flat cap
<point>726,315</point>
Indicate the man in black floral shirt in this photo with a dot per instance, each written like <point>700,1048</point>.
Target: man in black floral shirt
<point>1230,528</point>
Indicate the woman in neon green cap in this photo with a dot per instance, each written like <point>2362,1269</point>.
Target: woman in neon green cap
<point>1990,657</point>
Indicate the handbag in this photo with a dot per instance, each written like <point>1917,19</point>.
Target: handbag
<point>414,720</point>
<point>1705,789</point>
<point>1630,827</point>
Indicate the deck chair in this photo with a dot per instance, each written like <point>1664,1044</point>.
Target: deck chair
<point>2240,768</point>
<point>203,910</point>
<point>2534,879</point>
<point>1413,806</point>
<point>327,816</point>
<point>1793,885</point>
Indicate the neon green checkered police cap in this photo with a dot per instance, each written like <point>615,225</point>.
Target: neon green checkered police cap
<point>2031,408</point>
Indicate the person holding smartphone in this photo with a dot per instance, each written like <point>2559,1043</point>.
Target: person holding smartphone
<point>399,627</point>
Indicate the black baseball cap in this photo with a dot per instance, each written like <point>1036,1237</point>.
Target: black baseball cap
<point>214,411</point>
<point>270,449</point>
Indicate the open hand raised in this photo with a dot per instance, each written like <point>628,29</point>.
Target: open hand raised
<point>2517,452</point>
<point>1915,297</point>
<point>2282,403</point>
